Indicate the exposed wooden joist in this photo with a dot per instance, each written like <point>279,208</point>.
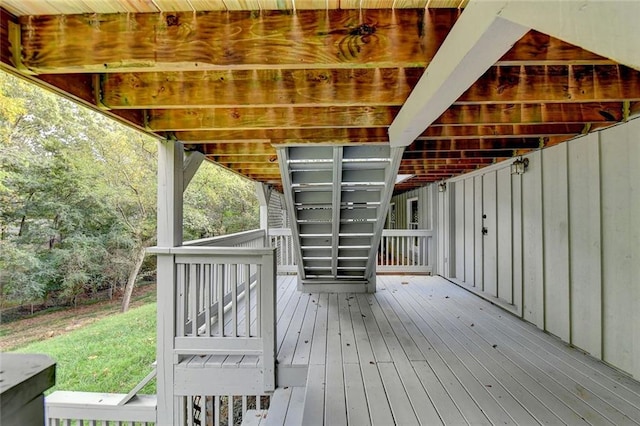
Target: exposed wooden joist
<point>273,88</point>
<point>570,83</point>
<point>229,160</point>
<point>500,131</point>
<point>531,113</point>
<point>376,87</point>
<point>473,145</point>
<point>256,118</point>
<point>282,136</point>
<point>458,154</point>
<point>239,40</point>
<point>249,40</point>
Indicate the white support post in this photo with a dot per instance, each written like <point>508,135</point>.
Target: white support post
<point>268,320</point>
<point>263,193</point>
<point>192,162</point>
<point>170,203</point>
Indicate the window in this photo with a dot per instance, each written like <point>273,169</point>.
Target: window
<point>413,216</point>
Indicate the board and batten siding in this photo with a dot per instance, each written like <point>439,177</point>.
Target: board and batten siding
<point>425,196</point>
<point>562,242</point>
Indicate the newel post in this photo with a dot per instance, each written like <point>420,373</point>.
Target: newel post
<point>268,320</point>
<point>170,203</point>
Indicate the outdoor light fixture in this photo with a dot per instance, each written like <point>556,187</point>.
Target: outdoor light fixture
<point>442,186</point>
<point>519,166</point>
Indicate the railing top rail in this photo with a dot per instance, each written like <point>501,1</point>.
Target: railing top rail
<point>213,251</point>
<point>279,231</point>
<point>228,240</point>
<point>407,233</point>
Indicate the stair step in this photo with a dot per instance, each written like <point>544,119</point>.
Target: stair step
<point>254,418</point>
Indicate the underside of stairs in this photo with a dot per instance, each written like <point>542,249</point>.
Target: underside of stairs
<point>337,197</point>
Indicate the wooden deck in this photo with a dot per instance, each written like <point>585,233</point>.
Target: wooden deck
<point>424,351</point>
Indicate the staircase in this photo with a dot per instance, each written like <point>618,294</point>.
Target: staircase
<point>337,197</point>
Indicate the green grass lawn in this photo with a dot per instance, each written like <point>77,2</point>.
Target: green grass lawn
<point>110,355</point>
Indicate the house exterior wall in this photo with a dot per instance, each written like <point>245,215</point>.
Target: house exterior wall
<point>425,207</point>
<point>562,243</point>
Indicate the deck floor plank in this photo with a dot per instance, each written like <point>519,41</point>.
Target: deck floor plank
<point>581,396</point>
<point>409,354</point>
<point>402,354</point>
<point>288,346</point>
<point>401,408</point>
<point>313,413</point>
<point>296,407</point>
<point>537,401</point>
<point>357,409</point>
<point>441,365</point>
<point>302,351</point>
<point>335,401</point>
<point>319,339</point>
<point>494,387</point>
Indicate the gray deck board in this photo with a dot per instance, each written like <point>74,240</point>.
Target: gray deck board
<point>424,351</point>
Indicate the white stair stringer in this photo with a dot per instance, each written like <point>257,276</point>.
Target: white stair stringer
<point>337,197</point>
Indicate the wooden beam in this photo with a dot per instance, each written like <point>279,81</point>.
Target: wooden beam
<point>283,136</point>
<point>230,160</point>
<point>223,149</point>
<point>255,40</point>
<point>474,44</point>
<point>250,40</point>
<point>257,118</point>
<point>272,88</point>
<point>531,113</point>
<point>475,144</point>
<point>457,154</point>
<point>542,84</point>
<point>499,131</point>
<point>536,48</point>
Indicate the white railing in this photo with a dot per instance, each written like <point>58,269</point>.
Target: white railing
<point>217,410</point>
<point>282,240</point>
<point>225,303</point>
<point>400,251</point>
<point>254,238</point>
<point>65,408</point>
<point>406,250</point>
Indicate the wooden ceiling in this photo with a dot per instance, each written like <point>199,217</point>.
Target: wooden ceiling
<point>233,78</point>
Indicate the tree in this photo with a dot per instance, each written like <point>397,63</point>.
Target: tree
<point>78,197</point>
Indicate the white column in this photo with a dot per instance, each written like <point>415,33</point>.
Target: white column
<point>263,193</point>
<point>170,201</point>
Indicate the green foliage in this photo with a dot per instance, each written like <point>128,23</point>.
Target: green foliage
<point>78,197</point>
<point>218,202</point>
<point>110,355</point>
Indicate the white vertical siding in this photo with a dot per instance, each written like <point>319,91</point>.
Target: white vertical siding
<point>585,243</point>
<point>490,238</point>
<point>567,241</point>
<point>620,207</point>
<point>469,232</point>
<point>460,231</point>
<point>425,207</point>
<point>477,211</point>
<point>532,242</point>
<point>556,240</point>
<point>504,231</point>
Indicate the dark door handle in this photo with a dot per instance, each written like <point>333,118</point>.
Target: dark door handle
<point>485,231</point>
